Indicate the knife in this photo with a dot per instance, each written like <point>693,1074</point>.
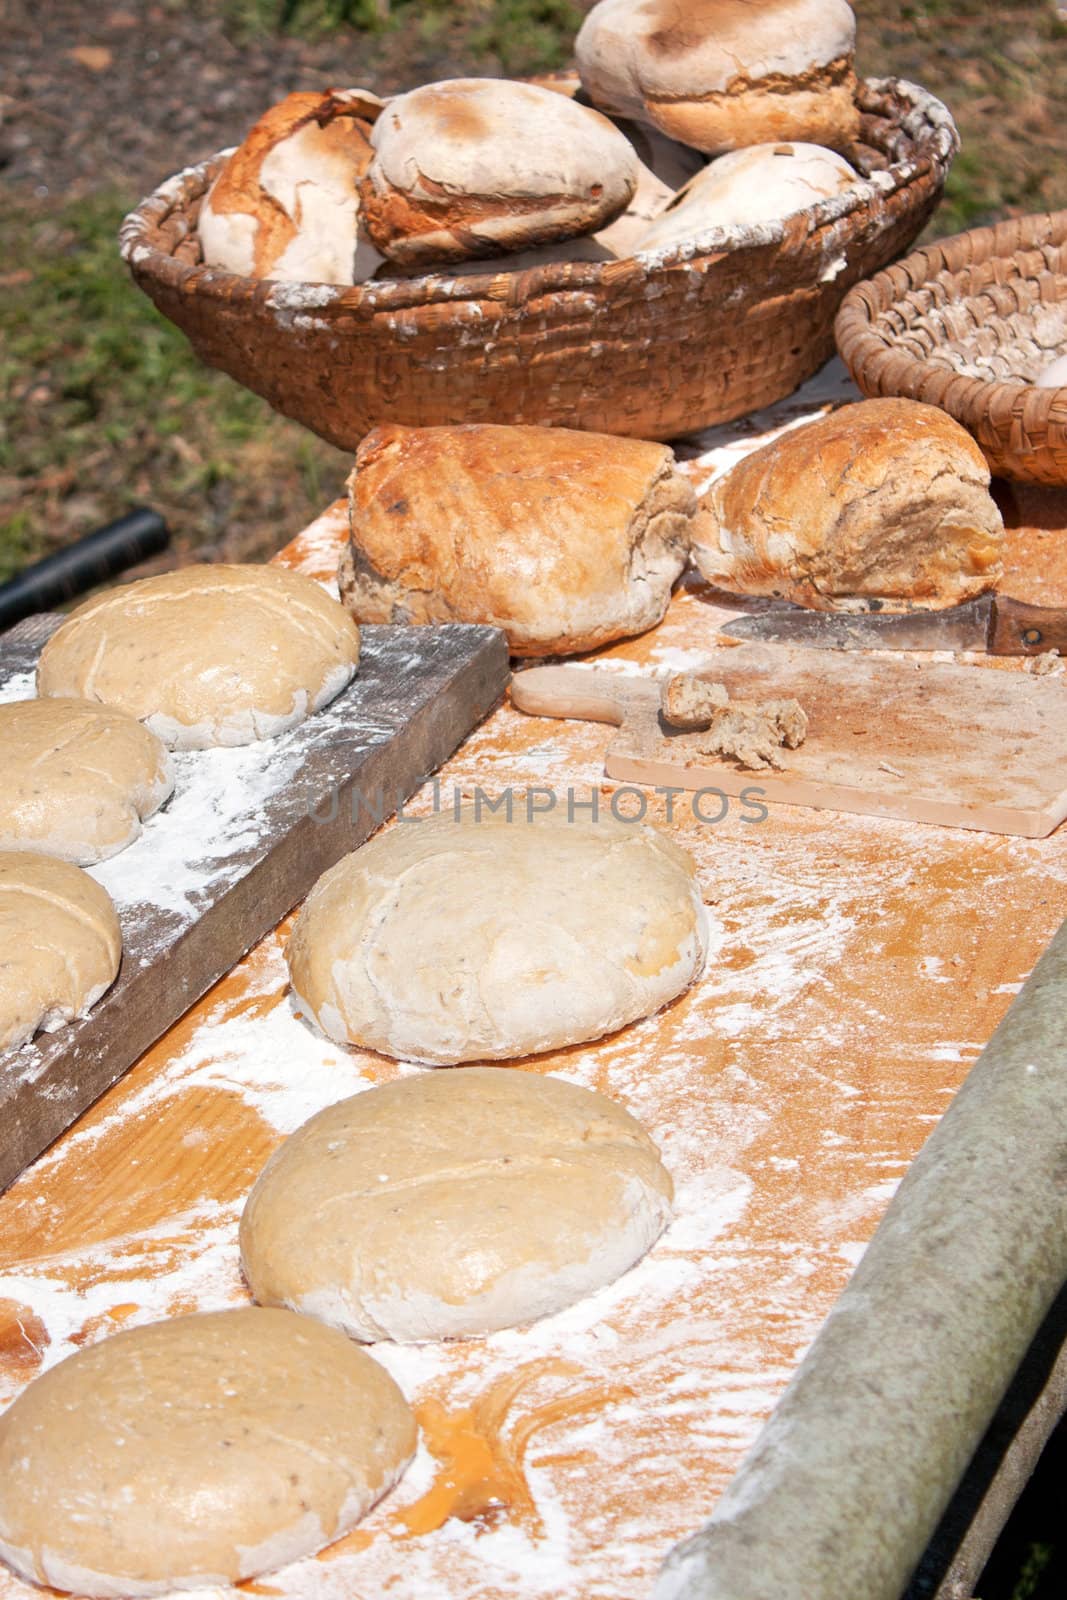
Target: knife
<point>993,623</point>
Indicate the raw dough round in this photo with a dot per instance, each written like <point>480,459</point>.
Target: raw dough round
<point>483,940</point>
<point>208,654</point>
<point>453,1203</point>
<point>79,778</point>
<point>60,944</point>
<point>196,1452</point>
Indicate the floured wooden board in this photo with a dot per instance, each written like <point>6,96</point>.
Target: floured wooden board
<point>887,737</point>
<point>859,965</point>
<point>244,836</point>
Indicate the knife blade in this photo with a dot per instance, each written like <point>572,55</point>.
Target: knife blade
<point>996,624</point>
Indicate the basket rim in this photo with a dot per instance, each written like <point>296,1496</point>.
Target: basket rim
<point>859,344</point>
<point>925,118</point>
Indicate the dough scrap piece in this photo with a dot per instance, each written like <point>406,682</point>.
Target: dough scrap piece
<point>882,501</point>
<point>60,944</point>
<point>453,1204</point>
<point>564,539</point>
<point>750,732</point>
<point>196,1452</point>
<point>79,778</point>
<point>484,940</point>
<point>207,655</point>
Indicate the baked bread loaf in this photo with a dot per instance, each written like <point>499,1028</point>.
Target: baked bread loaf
<point>207,655</point>
<point>486,939</point>
<point>61,944</point>
<point>196,1452</point>
<point>764,184</point>
<point>885,500</point>
<point>285,204</point>
<point>476,167</point>
<point>453,1203</point>
<point>563,539</point>
<point>663,167</point>
<point>722,74</point>
<point>79,778</point>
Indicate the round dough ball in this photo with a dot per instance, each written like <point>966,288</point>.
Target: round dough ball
<point>476,167</point>
<point>207,655</point>
<point>60,944</point>
<point>196,1452</point>
<point>453,1203</point>
<point>483,940</point>
<point>79,778</point>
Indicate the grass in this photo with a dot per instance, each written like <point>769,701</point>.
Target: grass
<point>513,36</point>
<point>103,405</point>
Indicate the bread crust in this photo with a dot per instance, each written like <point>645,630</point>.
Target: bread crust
<point>765,183</point>
<point>292,183</point>
<point>475,167</point>
<point>566,540</point>
<point>723,74</point>
<point>884,500</point>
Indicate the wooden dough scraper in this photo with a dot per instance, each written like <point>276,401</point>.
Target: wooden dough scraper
<point>962,746</point>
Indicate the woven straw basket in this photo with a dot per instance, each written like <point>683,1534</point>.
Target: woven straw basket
<point>653,346</point>
<point>967,324</point>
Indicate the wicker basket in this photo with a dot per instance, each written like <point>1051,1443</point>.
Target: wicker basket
<point>653,346</point>
<point>967,324</point>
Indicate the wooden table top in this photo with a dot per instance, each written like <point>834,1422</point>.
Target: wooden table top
<point>859,966</point>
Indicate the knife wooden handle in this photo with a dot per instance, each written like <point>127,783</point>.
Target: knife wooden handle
<point>1021,630</point>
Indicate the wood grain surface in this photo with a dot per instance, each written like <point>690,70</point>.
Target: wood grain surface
<point>325,785</point>
<point>925,741</point>
<point>858,967</point>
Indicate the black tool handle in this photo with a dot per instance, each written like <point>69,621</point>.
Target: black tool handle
<point>86,562</point>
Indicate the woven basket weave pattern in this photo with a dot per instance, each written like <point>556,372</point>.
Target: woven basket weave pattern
<point>652,346</point>
<point>967,325</point>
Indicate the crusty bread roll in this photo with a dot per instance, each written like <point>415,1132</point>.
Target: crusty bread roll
<point>61,944</point>
<point>285,204</point>
<point>722,74</point>
<point>453,1203</point>
<point>884,500</point>
<point>485,939</point>
<point>79,778</point>
<point>194,1453</point>
<point>476,167</point>
<point>765,184</point>
<point>563,539</point>
<point>207,655</point>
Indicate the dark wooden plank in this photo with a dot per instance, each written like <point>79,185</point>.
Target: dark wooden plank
<point>318,792</point>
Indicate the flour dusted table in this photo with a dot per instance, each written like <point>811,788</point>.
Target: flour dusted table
<point>859,966</point>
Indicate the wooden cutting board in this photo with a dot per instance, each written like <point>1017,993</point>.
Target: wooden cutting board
<point>888,736</point>
<point>204,881</point>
